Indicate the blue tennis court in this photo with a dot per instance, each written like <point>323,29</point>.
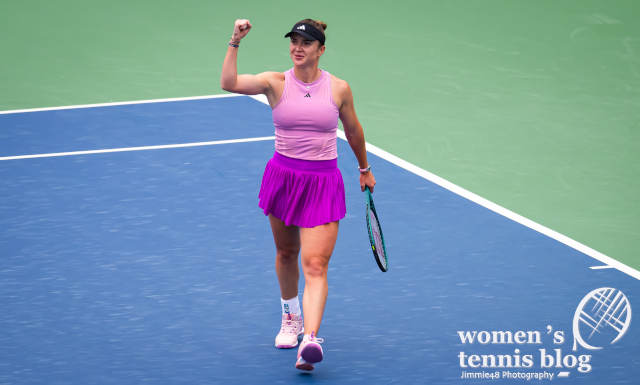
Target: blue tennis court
<point>155,265</point>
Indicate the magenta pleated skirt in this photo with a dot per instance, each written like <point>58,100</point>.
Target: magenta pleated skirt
<point>304,193</point>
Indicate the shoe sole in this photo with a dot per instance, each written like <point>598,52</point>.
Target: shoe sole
<point>286,346</point>
<point>305,366</point>
<point>312,353</point>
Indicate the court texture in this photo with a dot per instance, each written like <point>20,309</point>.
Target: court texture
<point>504,139</point>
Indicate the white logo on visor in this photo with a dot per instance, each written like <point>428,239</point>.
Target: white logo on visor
<point>301,27</point>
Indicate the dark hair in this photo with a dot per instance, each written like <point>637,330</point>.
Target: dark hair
<point>321,25</point>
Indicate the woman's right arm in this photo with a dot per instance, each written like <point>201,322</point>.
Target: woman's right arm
<point>229,79</point>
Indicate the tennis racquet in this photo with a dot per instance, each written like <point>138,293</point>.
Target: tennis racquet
<point>375,234</point>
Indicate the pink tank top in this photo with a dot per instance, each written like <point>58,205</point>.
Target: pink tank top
<point>306,119</point>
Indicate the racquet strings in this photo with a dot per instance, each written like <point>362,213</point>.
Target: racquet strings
<point>377,239</point>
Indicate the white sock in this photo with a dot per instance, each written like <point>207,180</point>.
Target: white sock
<point>290,306</point>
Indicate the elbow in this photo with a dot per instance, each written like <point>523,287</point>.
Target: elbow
<point>348,135</point>
<point>227,85</point>
<point>351,139</point>
<point>352,133</point>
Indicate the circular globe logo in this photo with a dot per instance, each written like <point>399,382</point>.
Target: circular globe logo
<point>602,318</point>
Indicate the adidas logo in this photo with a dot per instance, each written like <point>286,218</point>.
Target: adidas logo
<point>307,95</point>
<point>301,27</point>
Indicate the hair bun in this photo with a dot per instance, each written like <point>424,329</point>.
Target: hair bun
<point>316,23</point>
<point>322,24</point>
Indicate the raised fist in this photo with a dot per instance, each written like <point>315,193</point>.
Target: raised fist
<point>240,29</point>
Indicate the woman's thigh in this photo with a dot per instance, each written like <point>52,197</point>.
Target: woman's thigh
<point>286,238</point>
<point>318,243</point>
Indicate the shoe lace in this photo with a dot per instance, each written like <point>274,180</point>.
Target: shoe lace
<point>289,325</point>
<point>316,339</point>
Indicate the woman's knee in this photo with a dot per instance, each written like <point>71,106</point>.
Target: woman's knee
<point>287,254</point>
<point>315,267</point>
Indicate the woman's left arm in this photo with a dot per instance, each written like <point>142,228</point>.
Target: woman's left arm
<point>355,135</point>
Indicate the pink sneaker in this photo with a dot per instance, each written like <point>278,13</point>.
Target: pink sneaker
<point>290,330</point>
<point>310,352</point>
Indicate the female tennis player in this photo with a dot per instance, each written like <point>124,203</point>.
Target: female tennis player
<point>302,191</point>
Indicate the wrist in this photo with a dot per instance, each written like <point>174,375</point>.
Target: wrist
<point>234,42</point>
<point>365,169</point>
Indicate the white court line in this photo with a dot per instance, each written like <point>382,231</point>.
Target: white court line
<point>601,267</point>
<point>118,103</point>
<point>608,261</point>
<point>142,148</point>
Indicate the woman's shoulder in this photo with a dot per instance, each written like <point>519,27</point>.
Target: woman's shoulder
<point>340,90</point>
<point>338,84</point>
<point>273,80</point>
<point>273,75</point>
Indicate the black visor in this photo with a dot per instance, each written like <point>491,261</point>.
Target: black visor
<point>308,31</point>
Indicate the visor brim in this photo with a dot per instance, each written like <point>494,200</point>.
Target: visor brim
<point>301,33</point>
